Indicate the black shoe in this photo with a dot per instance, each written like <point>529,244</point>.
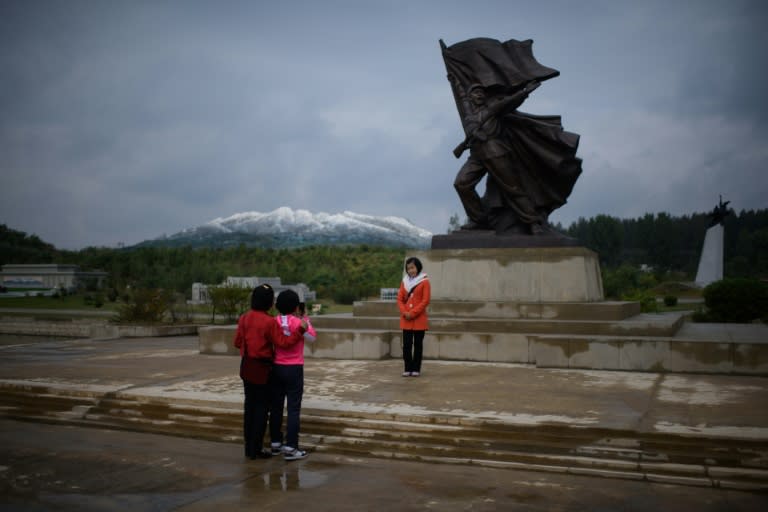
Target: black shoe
<point>263,454</point>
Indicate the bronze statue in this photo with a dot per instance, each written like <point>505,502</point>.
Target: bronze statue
<point>530,161</point>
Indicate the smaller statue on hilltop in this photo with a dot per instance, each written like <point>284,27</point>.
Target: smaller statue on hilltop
<point>719,213</point>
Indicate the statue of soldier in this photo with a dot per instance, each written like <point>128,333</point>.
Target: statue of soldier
<point>530,161</point>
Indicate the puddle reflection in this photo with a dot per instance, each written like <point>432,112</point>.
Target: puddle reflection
<point>285,480</point>
<point>290,478</point>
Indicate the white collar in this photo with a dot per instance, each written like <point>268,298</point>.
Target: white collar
<point>410,282</point>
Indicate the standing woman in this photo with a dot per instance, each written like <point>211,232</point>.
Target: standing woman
<point>412,300</point>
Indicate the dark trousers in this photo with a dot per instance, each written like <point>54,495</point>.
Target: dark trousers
<point>287,385</point>
<point>255,413</point>
<point>413,347</point>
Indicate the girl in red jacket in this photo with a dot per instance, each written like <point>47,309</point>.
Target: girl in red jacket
<point>412,300</point>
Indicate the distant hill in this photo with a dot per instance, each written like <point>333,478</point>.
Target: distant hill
<point>18,247</point>
<point>288,228</point>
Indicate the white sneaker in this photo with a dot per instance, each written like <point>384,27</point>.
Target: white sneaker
<point>276,448</point>
<point>293,453</point>
<point>415,374</point>
<point>406,374</point>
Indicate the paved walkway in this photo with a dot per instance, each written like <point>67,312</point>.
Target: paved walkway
<point>716,406</point>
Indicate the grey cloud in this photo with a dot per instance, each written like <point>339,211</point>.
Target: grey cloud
<point>164,115</point>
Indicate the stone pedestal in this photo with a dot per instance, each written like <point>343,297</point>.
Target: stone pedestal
<point>531,274</point>
<point>711,261</point>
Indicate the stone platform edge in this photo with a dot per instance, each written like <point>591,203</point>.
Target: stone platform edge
<point>95,330</point>
<point>662,354</point>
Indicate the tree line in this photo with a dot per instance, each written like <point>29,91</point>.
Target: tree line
<point>666,243</point>
<point>341,273</point>
<point>674,244</point>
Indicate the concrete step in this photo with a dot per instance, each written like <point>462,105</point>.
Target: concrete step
<point>33,402</point>
<point>475,440</point>
<point>655,354</point>
<point>603,310</point>
<point>638,325</point>
<point>645,342</point>
<point>685,460</point>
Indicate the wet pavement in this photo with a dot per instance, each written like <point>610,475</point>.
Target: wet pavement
<point>59,467</point>
<point>719,406</point>
<point>62,468</point>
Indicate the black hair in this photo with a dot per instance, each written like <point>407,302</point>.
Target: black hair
<point>262,297</point>
<point>415,261</point>
<point>287,302</point>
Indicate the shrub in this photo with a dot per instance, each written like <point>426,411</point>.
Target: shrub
<point>699,315</point>
<point>180,311</point>
<point>619,281</point>
<point>647,301</point>
<point>736,300</point>
<point>230,299</point>
<point>670,301</point>
<point>344,296</point>
<point>144,305</point>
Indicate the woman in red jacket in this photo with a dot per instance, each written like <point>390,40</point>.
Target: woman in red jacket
<point>412,300</point>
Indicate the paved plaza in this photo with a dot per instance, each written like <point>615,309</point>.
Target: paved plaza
<point>123,469</point>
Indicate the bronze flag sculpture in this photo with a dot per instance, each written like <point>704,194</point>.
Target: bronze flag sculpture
<point>530,161</point>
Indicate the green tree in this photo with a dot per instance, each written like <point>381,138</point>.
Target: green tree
<point>144,305</point>
<point>737,300</point>
<point>603,234</point>
<point>230,299</point>
<point>18,247</point>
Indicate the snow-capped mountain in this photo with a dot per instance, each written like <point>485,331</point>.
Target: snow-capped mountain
<point>285,227</point>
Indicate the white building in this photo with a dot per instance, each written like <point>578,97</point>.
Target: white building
<point>388,293</point>
<point>49,276</point>
<point>200,293</point>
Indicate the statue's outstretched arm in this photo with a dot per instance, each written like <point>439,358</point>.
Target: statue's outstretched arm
<point>513,101</point>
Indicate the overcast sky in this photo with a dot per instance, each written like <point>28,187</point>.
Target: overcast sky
<point>125,120</point>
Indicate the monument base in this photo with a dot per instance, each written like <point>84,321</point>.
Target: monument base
<point>531,274</point>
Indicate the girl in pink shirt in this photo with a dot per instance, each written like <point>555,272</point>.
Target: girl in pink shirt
<point>287,377</point>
